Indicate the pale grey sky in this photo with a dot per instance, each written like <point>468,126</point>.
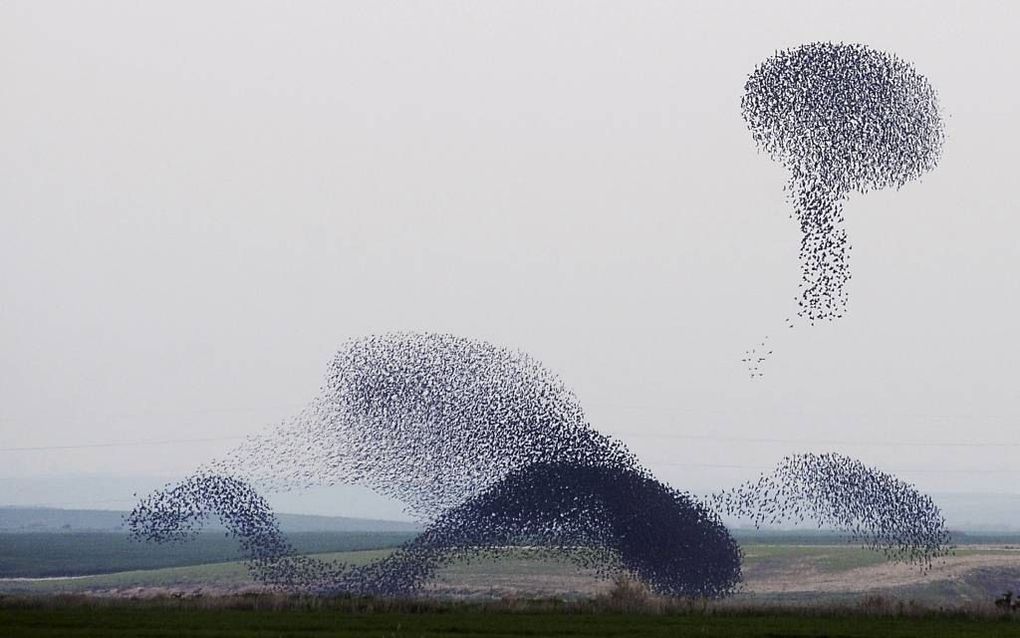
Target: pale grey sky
<point>199,202</point>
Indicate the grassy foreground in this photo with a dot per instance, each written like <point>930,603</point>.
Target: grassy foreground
<point>268,615</point>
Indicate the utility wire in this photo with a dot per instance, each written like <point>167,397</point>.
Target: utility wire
<point>41,448</point>
<point>754,439</point>
<point>706,437</point>
<point>894,471</point>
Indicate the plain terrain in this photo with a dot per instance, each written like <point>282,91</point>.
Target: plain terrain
<point>74,583</point>
<point>42,554</point>
<point>790,567</point>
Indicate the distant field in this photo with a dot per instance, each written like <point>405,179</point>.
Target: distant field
<point>36,555</point>
<point>828,537</point>
<point>212,577</point>
<point>774,573</point>
<point>793,568</point>
<point>45,554</point>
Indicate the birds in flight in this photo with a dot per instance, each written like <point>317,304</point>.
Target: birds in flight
<point>492,449</point>
<point>755,357</point>
<point>841,118</point>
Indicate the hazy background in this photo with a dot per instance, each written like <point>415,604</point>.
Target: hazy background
<point>199,202</point>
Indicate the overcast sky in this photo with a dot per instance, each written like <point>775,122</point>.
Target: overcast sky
<point>199,202</point>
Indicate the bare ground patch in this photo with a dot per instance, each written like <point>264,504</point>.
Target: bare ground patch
<point>805,576</point>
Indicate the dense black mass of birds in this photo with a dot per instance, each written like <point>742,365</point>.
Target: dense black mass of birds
<point>492,451</point>
<point>840,118</point>
<point>872,507</point>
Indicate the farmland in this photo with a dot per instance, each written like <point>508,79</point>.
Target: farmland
<point>47,555</point>
<point>793,585</point>
<point>777,568</point>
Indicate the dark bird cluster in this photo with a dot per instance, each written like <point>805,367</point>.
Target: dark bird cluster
<point>662,536</point>
<point>874,508</point>
<point>840,118</point>
<point>483,443</point>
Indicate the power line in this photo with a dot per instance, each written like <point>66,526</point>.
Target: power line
<point>167,413</point>
<point>732,411</point>
<point>800,412</point>
<point>706,437</point>
<point>894,471</point>
<point>41,448</point>
<point>749,439</point>
<point>76,504</point>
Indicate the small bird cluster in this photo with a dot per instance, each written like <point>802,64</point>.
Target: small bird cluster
<point>754,358</point>
<point>840,118</point>
<point>485,445</point>
<point>874,508</point>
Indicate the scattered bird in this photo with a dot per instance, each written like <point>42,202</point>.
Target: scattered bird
<point>754,358</point>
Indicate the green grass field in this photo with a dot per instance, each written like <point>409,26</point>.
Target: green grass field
<point>254,616</point>
<point>825,557</point>
<point>41,554</point>
<point>210,575</point>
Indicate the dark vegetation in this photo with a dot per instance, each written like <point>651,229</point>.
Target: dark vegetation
<point>626,611</point>
<point>1008,602</point>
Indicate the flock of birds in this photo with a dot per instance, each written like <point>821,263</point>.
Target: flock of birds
<point>872,507</point>
<point>492,450</point>
<point>428,419</point>
<point>609,520</point>
<point>841,118</point>
<point>484,443</point>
